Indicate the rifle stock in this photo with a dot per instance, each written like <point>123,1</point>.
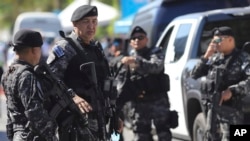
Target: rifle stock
<point>89,70</point>
<point>212,121</point>
<point>106,105</point>
<point>63,95</point>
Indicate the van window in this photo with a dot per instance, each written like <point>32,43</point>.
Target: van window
<point>181,40</point>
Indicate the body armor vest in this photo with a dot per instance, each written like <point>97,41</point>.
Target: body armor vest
<point>150,83</point>
<point>78,80</point>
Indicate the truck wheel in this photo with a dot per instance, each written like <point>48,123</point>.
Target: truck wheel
<point>199,127</point>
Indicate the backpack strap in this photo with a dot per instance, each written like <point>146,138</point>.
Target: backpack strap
<point>80,51</point>
<point>74,44</point>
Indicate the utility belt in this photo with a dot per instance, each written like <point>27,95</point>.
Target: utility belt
<point>152,83</point>
<point>207,86</point>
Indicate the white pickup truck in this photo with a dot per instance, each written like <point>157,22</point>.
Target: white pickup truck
<point>185,39</point>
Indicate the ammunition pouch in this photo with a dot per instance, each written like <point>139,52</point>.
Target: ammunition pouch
<point>110,90</point>
<point>152,83</point>
<point>173,119</point>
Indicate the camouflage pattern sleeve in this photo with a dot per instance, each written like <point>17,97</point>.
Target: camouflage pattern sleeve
<point>59,57</point>
<point>200,69</point>
<point>243,87</point>
<point>154,65</point>
<point>32,99</point>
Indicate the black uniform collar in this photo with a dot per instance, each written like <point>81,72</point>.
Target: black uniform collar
<point>235,50</point>
<point>143,51</point>
<point>17,61</point>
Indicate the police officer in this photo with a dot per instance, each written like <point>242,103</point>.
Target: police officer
<point>142,81</point>
<point>65,61</point>
<point>28,117</point>
<point>235,79</point>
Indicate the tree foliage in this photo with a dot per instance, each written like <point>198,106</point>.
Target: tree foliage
<point>10,9</point>
<point>109,29</point>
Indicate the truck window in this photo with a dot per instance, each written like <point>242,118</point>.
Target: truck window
<point>164,44</point>
<point>181,40</point>
<point>241,32</point>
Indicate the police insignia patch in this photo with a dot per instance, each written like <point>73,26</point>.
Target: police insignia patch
<point>58,51</point>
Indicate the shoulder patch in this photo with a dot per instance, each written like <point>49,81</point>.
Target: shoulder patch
<point>58,51</point>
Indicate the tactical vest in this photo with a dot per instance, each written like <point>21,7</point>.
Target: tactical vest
<point>78,80</point>
<point>150,83</point>
<point>10,83</point>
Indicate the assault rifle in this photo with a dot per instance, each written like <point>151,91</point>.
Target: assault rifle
<point>106,109</point>
<point>89,70</point>
<point>63,95</point>
<point>213,105</point>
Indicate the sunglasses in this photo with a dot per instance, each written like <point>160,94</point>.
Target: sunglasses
<point>218,40</point>
<point>138,37</point>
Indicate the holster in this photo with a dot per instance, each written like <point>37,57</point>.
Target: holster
<point>173,119</point>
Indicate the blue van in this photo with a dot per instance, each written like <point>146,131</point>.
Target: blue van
<point>155,16</point>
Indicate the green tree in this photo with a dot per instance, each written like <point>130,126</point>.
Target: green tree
<point>109,29</point>
<point>10,9</point>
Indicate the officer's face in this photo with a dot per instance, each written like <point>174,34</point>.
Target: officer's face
<point>223,44</point>
<point>86,28</point>
<point>138,41</point>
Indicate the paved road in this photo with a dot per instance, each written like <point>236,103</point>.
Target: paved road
<point>128,134</point>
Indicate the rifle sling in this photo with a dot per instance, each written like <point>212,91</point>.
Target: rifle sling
<point>74,44</point>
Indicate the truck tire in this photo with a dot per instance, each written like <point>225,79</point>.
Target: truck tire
<point>199,127</point>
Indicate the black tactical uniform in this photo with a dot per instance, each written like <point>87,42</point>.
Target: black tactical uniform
<point>146,86</point>
<point>67,68</point>
<point>27,105</point>
<point>74,59</point>
<point>235,77</point>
